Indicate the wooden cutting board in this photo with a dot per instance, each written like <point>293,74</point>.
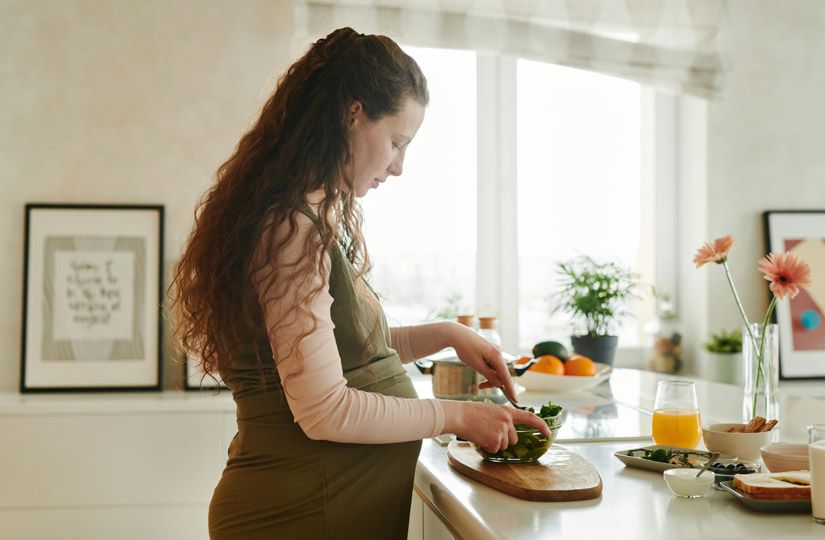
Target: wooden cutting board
<point>560,474</point>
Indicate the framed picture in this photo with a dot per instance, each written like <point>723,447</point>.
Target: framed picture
<point>92,297</point>
<point>801,320</point>
<point>194,377</point>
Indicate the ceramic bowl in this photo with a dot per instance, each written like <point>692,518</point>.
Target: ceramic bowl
<point>745,446</point>
<point>685,483</point>
<point>531,444</point>
<point>781,457</point>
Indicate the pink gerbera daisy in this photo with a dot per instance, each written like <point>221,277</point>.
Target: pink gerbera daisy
<point>716,251</point>
<point>787,273</point>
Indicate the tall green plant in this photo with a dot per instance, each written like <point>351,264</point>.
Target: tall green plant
<point>595,293</point>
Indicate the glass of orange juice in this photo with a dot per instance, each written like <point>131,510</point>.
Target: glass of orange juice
<point>676,415</point>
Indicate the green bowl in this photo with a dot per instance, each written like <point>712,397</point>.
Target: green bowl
<point>531,444</point>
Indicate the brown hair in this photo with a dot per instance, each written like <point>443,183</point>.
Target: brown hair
<point>298,145</point>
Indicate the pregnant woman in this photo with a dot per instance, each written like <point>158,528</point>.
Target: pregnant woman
<point>270,293</point>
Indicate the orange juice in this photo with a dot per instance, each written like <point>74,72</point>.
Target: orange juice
<point>673,427</point>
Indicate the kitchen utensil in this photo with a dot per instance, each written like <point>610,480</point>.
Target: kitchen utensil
<point>559,475</point>
<point>510,399</point>
<point>452,379</point>
<point>713,457</point>
<point>531,444</point>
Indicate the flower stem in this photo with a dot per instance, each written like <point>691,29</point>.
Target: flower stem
<point>738,301</point>
<point>760,355</point>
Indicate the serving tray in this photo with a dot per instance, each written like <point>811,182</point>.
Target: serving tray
<point>767,505</point>
<point>658,466</point>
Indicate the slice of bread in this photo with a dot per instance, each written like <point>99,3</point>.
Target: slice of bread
<point>791,485</point>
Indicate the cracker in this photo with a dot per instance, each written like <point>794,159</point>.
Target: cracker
<point>770,425</point>
<point>755,424</point>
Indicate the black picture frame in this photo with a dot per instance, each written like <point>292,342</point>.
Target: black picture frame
<point>194,379</point>
<point>92,298</point>
<point>801,349</point>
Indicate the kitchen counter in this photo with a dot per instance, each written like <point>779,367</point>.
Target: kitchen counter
<point>635,503</point>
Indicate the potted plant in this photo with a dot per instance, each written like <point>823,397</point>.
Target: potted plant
<point>722,359</point>
<point>595,294</point>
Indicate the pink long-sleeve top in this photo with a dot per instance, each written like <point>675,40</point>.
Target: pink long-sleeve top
<point>317,393</point>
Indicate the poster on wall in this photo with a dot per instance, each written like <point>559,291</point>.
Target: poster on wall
<point>92,298</point>
<point>802,319</point>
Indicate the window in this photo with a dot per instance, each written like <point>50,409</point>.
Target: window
<point>420,227</point>
<point>579,188</point>
<point>561,174</point>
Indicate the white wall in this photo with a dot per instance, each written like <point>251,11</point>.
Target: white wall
<point>114,101</point>
<point>766,142</point>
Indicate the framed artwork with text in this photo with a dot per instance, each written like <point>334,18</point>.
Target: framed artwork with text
<point>92,297</point>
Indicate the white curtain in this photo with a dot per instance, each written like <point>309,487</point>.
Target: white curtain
<point>670,44</point>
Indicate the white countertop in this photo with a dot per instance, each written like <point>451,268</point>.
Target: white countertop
<point>635,503</point>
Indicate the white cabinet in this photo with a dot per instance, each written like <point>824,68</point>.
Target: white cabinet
<point>425,524</point>
<point>125,466</point>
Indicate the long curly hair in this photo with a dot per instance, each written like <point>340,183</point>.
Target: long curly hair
<point>299,145</point>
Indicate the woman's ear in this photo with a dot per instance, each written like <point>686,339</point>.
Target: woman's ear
<point>356,110</point>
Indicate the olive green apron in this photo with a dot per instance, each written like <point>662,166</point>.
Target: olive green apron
<point>278,483</point>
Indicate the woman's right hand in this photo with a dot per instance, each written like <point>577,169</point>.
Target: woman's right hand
<point>488,425</point>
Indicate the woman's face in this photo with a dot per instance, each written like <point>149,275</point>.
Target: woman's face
<point>378,148</point>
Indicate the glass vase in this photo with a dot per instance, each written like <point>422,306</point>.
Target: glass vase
<point>761,396</point>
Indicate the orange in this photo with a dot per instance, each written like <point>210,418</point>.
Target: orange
<point>547,363</point>
<point>523,360</point>
<point>579,365</point>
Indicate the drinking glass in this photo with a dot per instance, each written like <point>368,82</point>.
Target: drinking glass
<point>676,419</point>
<point>816,462</point>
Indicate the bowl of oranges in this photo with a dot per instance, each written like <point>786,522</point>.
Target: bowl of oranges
<point>558,371</point>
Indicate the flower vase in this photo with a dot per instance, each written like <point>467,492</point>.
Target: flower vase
<point>761,386</point>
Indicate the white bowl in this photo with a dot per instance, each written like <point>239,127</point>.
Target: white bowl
<point>685,483</point>
<point>781,457</point>
<point>535,380</point>
<point>745,446</point>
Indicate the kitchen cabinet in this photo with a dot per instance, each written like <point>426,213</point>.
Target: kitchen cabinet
<point>111,466</point>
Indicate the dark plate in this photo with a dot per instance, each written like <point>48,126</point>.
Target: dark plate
<point>767,505</point>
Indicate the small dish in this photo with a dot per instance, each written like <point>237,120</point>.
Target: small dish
<point>725,469</point>
<point>531,444</point>
<point>768,505</point>
<point>745,446</point>
<point>685,483</point>
<point>781,457</point>
<point>533,380</point>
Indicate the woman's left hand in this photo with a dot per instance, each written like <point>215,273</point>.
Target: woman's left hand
<point>484,357</point>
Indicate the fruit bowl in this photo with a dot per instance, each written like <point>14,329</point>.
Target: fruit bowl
<point>531,444</point>
<point>533,380</point>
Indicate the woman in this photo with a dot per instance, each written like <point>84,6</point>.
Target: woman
<point>270,293</point>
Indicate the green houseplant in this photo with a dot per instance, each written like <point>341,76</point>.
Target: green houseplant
<point>595,295</point>
<point>722,358</point>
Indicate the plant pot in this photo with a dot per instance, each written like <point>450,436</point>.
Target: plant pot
<point>721,367</point>
<point>597,348</point>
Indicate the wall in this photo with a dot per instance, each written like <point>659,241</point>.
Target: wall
<point>765,138</point>
<point>112,101</point>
